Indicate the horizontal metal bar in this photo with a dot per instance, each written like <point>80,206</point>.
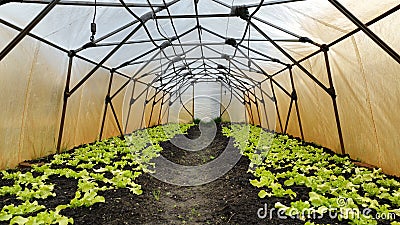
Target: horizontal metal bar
<point>111,53</point>
<point>87,3</point>
<point>190,16</point>
<point>130,42</point>
<point>8,24</point>
<point>276,2</point>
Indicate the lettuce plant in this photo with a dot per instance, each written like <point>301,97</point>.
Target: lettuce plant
<point>291,162</point>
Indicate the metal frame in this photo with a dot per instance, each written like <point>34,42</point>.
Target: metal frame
<point>28,28</point>
<point>233,76</point>
<point>87,3</point>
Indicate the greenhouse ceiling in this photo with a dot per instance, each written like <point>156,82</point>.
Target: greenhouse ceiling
<point>179,42</point>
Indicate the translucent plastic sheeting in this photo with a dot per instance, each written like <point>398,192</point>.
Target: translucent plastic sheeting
<point>181,109</point>
<point>232,104</point>
<point>133,109</point>
<point>148,108</point>
<point>268,106</point>
<point>29,12</point>
<point>254,111</point>
<point>40,80</point>
<point>157,111</point>
<point>153,109</point>
<point>85,106</point>
<point>207,100</point>
<point>165,109</point>
<point>110,125</point>
<point>30,96</point>
<point>264,111</point>
<point>370,90</point>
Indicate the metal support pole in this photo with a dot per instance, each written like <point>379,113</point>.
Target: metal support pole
<point>12,26</point>
<point>264,73</point>
<point>131,101</point>
<point>288,116</point>
<point>67,94</point>
<point>169,107</point>
<point>258,109</point>
<point>344,37</point>
<point>296,103</point>
<point>144,107</point>
<point>152,109</point>
<point>121,88</point>
<point>250,112</point>
<point>88,3</point>
<point>250,109</point>
<point>258,112</point>
<point>245,113</point>
<point>220,102</point>
<point>333,96</point>
<point>193,101</point>
<point>161,108</point>
<point>254,82</point>
<point>106,100</point>
<point>234,93</point>
<point>265,110</point>
<point>27,29</point>
<point>116,119</point>
<point>184,107</point>
<point>276,105</point>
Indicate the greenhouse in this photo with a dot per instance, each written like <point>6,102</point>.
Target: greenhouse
<point>199,112</point>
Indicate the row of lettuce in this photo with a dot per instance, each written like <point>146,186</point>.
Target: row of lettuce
<point>110,164</point>
<point>336,186</point>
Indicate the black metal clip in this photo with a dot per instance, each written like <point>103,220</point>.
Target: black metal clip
<point>331,91</point>
<point>71,53</point>
<point>231,41</point>
<point>67,94</point>
<point>294,95</point>
<point>240,11</point>
<point>93,30</point>
<point>108,99</point>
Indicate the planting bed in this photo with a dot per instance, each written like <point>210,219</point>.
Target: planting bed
<point>280,179</point>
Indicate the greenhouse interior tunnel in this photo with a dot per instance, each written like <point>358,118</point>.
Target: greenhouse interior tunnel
<point>73,72</point>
